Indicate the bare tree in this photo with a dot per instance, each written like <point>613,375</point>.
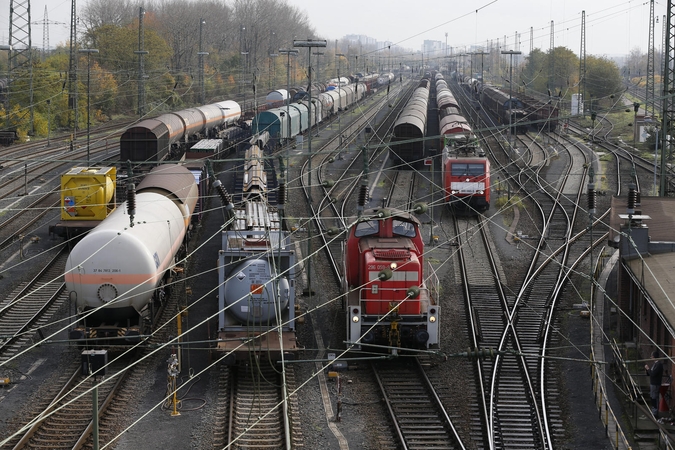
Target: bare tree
<point>97,13</point>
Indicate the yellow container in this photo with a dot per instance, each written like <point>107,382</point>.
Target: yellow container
<point>88,193</point>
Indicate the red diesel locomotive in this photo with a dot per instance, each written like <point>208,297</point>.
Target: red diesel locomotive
<point>390,305</point>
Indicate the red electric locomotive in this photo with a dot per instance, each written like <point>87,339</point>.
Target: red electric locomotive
<point>390,305</point>
<point>466,175</point>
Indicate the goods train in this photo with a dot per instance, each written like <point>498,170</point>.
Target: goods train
<point>256,273</point>
<point>122,270</point>
<point>167,136</point>
<point>286,122</point>
<point>452,124</point>
<point>385,79</point>
<point>528,111</point>
<point>509,110</point>
<point>465,169</point>
<point>407,144</point>
<point>390,305</point>
<point>543,115</point>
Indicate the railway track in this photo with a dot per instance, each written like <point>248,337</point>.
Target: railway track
<point>30,307</point>
<point>416,411</point>
<point>255,409</point>
<point>486,304</point>
<point>332,209</point>
<point>68,421</point>
<point>520,393</point>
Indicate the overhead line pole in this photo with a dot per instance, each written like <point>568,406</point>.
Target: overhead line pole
<point>511,53</point>
<point>309,43</point>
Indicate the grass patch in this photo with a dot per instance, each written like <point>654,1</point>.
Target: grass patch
<point>503,202</point>
<point>505,206</point>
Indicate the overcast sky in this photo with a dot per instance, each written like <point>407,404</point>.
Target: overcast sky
<point>612,27</point>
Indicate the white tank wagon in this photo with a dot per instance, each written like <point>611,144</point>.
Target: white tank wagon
<point>119,271</point>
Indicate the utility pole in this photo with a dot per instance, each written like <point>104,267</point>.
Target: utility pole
<point>510,53</point>
<point>482,54</point>
<point>668,109</point>
<point>21,55</point>
<point>88,51</point>
<point>318,66</point>
<point>318,78</point>
<point>288,52</point>
<point>582,66</point>
<point>339,107</point>
<point>551,61</point>
<point>649,87</point>
<point>201,54</point>
<point>141,71</point>
<point>9,51</point>
<point>72,70</point>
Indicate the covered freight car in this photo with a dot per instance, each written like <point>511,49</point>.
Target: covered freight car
<point>410,128</point>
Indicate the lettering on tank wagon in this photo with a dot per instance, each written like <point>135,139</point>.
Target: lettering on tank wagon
<point>97,270</point>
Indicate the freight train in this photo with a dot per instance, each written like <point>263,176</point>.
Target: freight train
<point>407,144</point>
<point>256,273</point>
<point>465,169</point>
<point>152,141</point>
<point>542,115</point>
<point>123,269</point>
<point>452,124</point>
<point>385,79</point>
<point>508,109</point>
<point>390,305</point>
<point>286,122</point>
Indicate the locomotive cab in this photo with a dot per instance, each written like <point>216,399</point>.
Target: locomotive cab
<point>466,177</point>
<point>389,305</point>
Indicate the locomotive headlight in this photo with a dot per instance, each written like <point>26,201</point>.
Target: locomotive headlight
<point>355,319</point>
<point>393,266</point>
<point>481,192</point>
<point>432,319</point>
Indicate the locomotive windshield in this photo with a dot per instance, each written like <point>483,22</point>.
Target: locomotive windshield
<point>402,228</point>
<point>463,169</point>
<point>367,228</point>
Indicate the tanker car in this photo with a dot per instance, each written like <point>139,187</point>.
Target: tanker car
<point>151,141</point>
<point>122,270</point>
<point>256,274</point>
<point>465,169</point>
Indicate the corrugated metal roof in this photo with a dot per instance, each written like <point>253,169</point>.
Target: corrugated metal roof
<point>660,209</point>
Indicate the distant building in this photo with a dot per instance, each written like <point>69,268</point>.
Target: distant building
<point>433,49</point>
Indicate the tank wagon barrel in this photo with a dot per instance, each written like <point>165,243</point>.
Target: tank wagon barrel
<point>284,123</point>
<point>160,138</point>
<point>122,266</point>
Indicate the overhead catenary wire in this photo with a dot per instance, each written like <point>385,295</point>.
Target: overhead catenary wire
<point>307,218</point>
